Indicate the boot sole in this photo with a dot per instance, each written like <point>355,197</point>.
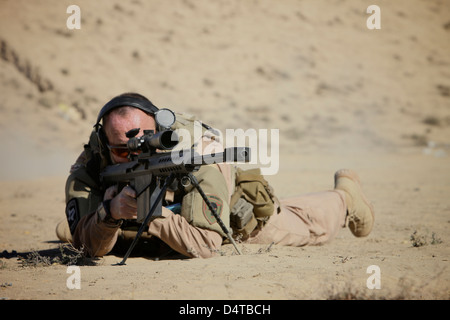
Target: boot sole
<point>350,174</point>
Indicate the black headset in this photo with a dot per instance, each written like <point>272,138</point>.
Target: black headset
<point>164,118</point>
<point>120,101</point>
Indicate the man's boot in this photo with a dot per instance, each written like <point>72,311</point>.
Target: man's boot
<point>63,231</point>
<point>360,212</point>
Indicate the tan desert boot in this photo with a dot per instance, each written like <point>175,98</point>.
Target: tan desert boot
<point>360,212</point>
<point>63,231</point>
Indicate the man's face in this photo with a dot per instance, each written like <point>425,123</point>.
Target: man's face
<point>118,123</point>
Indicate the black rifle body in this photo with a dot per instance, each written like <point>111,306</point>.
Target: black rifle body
<point>146,173</point>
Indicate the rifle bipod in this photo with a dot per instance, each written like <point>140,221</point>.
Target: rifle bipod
<point>194,181</point>
<point>169,180</point>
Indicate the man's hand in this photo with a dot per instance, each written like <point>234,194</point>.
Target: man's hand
<point>124,204</point>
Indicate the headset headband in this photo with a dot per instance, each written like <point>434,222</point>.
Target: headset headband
<point>121,101</point>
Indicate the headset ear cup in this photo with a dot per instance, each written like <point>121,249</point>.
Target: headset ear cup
<point>102,139</point>
<point>102,143</point>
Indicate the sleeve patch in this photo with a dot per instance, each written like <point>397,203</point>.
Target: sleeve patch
<point>72,214</point>
<point>217,205</point>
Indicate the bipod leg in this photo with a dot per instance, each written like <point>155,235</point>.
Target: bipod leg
<point>167,182</point>
<point>213,211</point>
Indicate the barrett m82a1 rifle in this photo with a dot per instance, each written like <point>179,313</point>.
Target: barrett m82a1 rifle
<point>150,172</point>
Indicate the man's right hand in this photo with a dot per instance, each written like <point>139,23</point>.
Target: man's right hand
<point>123,204</point>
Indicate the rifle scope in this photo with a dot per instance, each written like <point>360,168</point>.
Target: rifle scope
<point>164,140</point>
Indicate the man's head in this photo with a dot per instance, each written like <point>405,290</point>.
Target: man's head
<point>121,120</point>
<point>121,114</point>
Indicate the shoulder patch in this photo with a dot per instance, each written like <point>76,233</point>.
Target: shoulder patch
<point>217,204</point>
<point>72,214</point>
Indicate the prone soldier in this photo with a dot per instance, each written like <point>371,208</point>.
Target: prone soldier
<point>102,219</point>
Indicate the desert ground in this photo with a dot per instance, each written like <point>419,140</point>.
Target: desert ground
<point>341,95</point>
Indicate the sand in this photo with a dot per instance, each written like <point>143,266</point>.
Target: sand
<point>340,94</point>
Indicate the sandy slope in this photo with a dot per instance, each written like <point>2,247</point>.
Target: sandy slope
<point>341,95</point>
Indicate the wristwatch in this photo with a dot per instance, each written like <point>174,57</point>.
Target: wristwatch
<point>104,214</point>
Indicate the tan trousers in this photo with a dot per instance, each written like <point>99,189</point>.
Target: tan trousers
<point>310,219</point>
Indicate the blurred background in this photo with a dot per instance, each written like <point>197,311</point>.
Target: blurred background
<point>310,68</point>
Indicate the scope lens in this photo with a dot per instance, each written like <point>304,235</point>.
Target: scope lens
<point>165,118</point>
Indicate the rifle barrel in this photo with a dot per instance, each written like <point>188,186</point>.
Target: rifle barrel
<point>163,164</point>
